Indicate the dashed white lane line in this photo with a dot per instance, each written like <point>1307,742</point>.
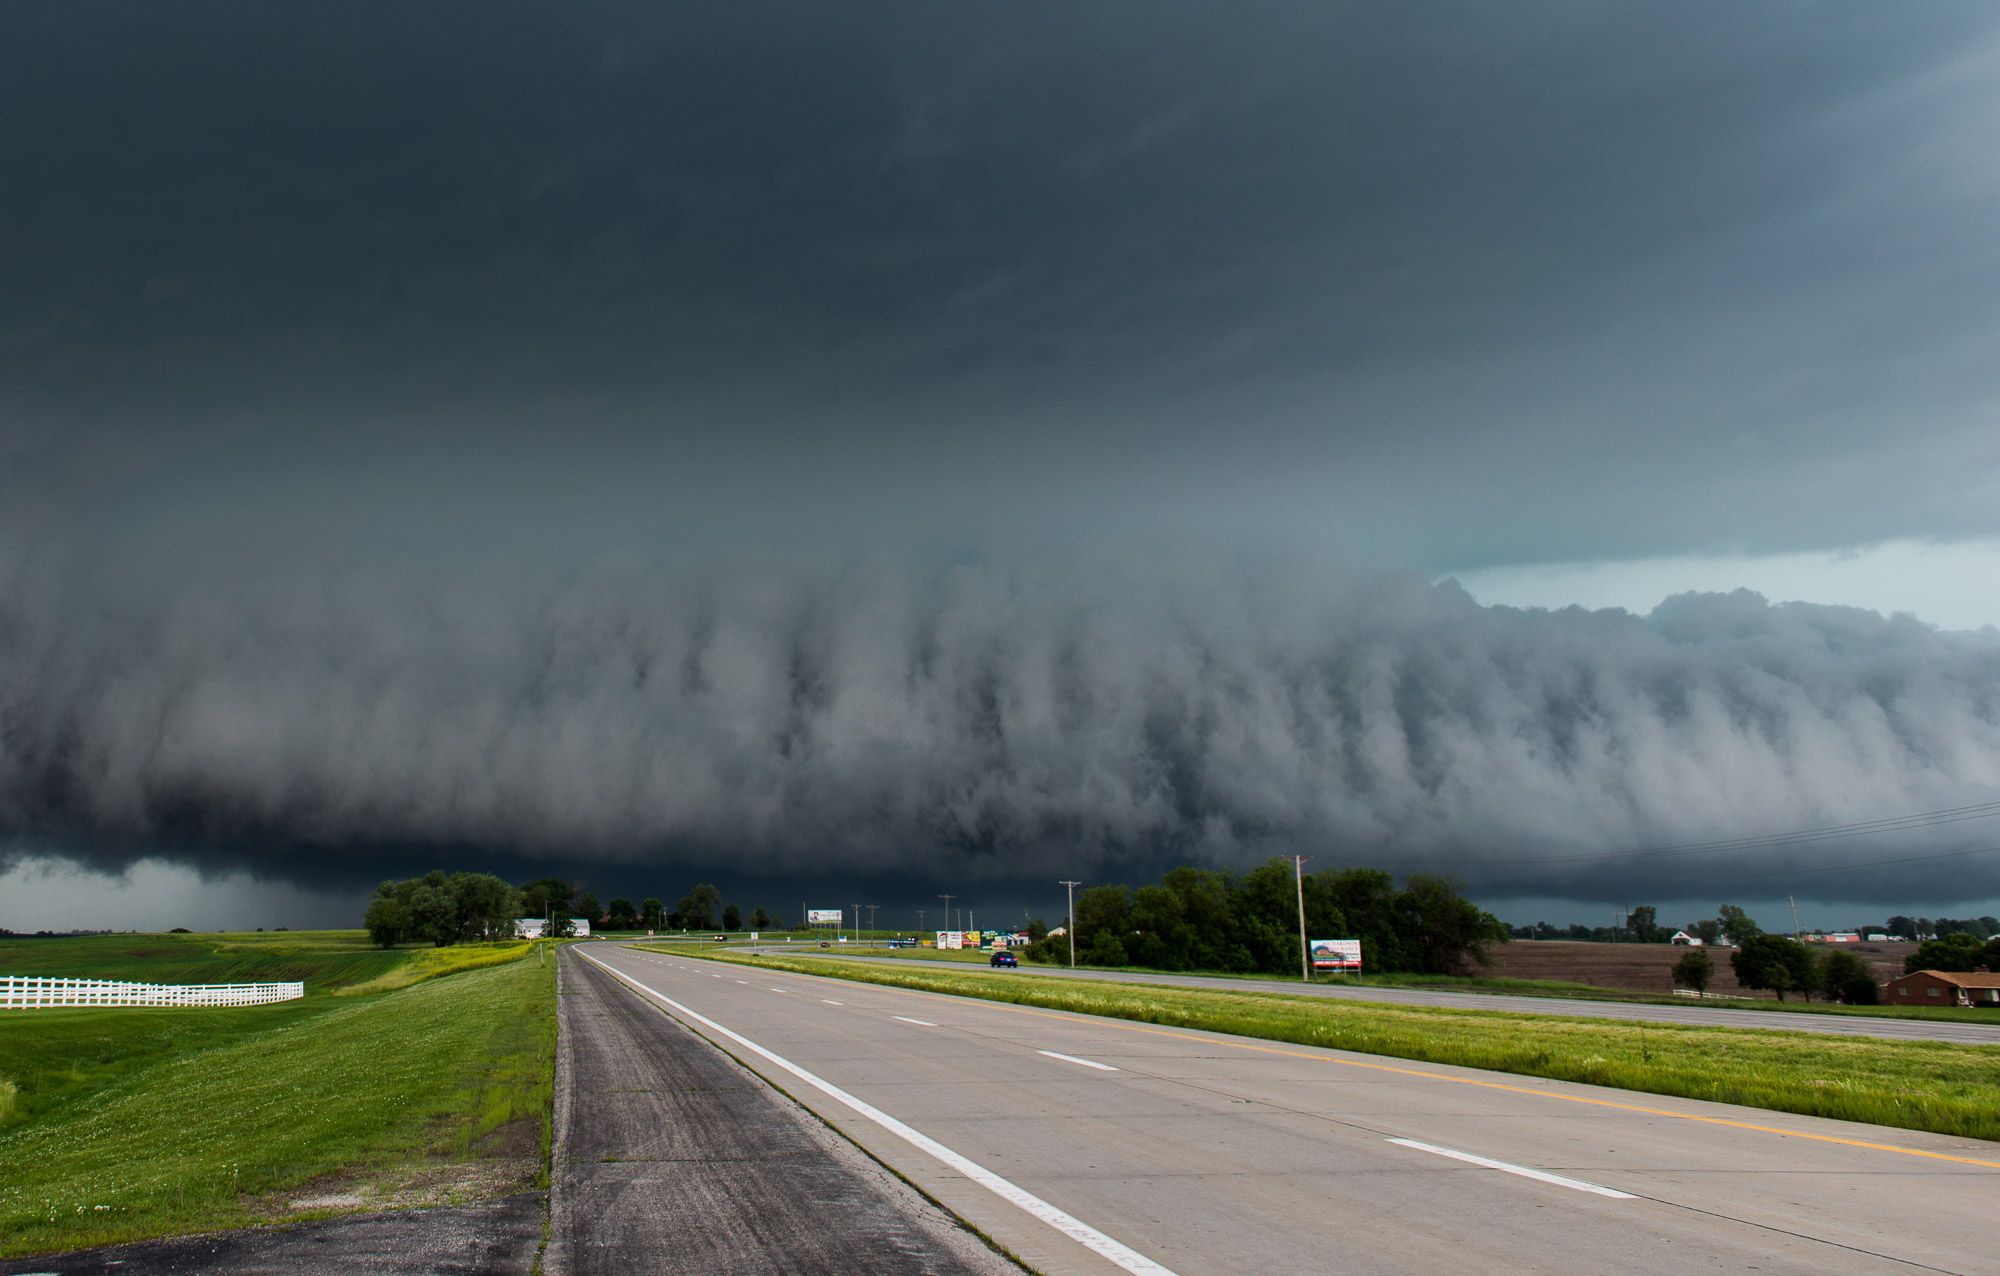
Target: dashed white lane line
<point>1070,1058</point>
<point>1505,1167</point>
<point>921,1023</point>
<point>825,1001</point>
<point>777,990</point>
<point>744,982</point>
<point>1116,1252</point>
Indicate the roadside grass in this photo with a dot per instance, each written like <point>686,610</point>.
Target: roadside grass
<point>429,963</point>
<point>1938,1087</point>
<point>325,960</point>
<point>1474,983</point>
<point>137,1123</point>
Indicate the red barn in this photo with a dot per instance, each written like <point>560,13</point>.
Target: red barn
<point>1944,988</point>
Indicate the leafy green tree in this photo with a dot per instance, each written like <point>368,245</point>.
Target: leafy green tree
<point>483,906</point>
<point>1708,930</point>
<point>1776,963</point>
<point>546,895</point>
<point>1958,952</point>
<point>1644,923</point>
<point>588,908</point>
<point>1846,978</point>
<point>652,913</point>
<point>432,914</point>
<point>759,920</point>
<point>700,907</point>
<point>1694,970</point>
<point>1989,956</point>
<point>1900,927</point>
<point>388,921</point>
<point>1735,924</point>
<point>732,918</point>
<point>1449,930</point>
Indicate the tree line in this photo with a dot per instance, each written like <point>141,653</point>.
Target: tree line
<point>1202,919</point>
<point>1777,963</point>
<point>465,907</point>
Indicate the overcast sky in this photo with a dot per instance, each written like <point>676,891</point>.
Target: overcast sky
<point>930,441</point>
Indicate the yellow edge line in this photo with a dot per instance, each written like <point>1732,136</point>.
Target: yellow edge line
<point>1508,1087</point>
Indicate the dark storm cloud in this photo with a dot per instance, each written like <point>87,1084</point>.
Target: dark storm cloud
<point>1447,286</point>
<point>869,721</point>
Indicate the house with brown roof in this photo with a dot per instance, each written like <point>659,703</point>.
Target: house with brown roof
<point>1944,988</point>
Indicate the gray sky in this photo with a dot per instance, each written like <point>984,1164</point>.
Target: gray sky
<point>382,386</point>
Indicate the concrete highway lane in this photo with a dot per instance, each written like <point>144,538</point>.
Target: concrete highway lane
<point>1643,1012</point>
<point>1093,1146</point>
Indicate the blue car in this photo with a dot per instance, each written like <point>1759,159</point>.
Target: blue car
<point>1005,959</point>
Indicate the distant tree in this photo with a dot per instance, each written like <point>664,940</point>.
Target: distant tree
<point>1735,924</point>
<point>1989,956</point>
<point>759,919</point>
<point>1708,931</point>
<point>700,907</point>
<point>588,908</point>
<point>652,913</point>
<point>1451,932</point>
<point>1776,963</point>
<point>1843,977</point>
<point>1644,923</point>
<point>1900,927</point>
<point>483,906</point>
<point>732,918</point>
<point>546,895</point>
<point>387,920</point>
<point>1694,970</point>
<point>432,914</point>
<point>1038,930</point>
<point>621,915</point>
<point>1958,952</point>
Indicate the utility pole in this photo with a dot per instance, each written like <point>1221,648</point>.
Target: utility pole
<point>1795,915</point>
<point>871,924</point>
<point>1305,951</point>
<point>857,923</point>
<point>1069,922</point>
<point>920,921</point>
<point>947,909</point>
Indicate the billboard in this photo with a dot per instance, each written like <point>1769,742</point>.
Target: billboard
<point>1336,954</point>
<point>949,939</point>
<point>823,916</point>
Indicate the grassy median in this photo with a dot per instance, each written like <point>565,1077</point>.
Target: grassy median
<point>1939,1087</point>
<point>134,1122</point>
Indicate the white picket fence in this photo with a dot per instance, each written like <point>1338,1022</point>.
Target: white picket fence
<point>32,992</point>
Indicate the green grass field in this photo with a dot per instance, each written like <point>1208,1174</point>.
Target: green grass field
<point>129,1123</point>
<point>1939,1087</point>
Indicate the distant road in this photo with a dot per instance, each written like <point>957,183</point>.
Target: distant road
<point>1712,1016</point>
<point>1096,1146</point>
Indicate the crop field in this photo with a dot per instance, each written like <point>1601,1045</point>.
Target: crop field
<point>1939,1087</point>
<point>429,1082</point>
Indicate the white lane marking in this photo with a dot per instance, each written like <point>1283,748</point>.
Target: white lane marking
<point>826,1002</point>
<point>777,990</point>
<point>744,982</point>
<point>921,1023</point>
<point>1076,1229</point>
<point>1540,1176</point>
<point>1070,1058</point>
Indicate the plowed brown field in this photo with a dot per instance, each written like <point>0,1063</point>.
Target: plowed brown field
<point>1648,967</point>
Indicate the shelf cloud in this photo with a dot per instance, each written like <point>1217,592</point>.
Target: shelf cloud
<point>995,724</point>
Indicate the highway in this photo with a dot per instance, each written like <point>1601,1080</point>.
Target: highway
<point>1087,1145</point>
<point>1643,1012</point>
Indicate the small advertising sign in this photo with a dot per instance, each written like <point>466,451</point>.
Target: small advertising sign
<point>1343,955</point>
<point>823,916</point>
<point>949,939</point>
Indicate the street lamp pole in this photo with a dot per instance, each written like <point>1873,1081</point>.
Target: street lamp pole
<point>1069,921</point>
<point>1305,952</point>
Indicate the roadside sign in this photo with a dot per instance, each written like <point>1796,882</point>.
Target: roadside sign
<point>1342,955</point>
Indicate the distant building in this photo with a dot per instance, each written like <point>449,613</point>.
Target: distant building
<point>1945,988</point>
<point>1835,937</point>
<point>1685,940</point>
